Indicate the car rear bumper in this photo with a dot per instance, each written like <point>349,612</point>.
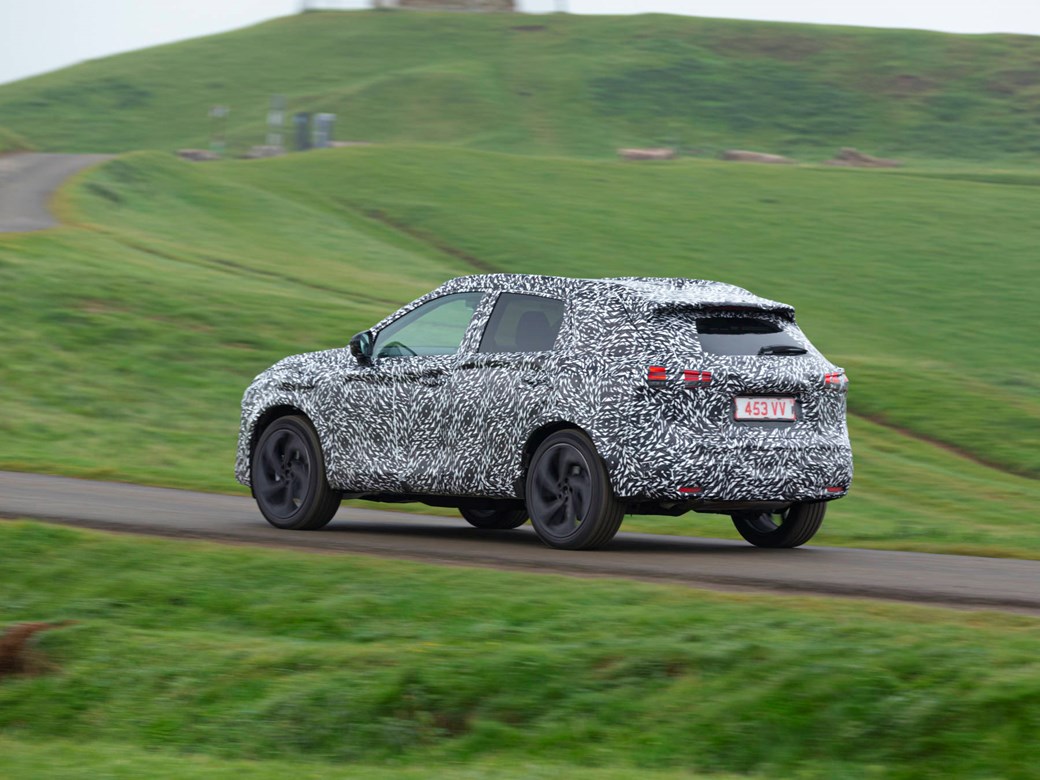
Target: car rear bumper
<point>777,472</point>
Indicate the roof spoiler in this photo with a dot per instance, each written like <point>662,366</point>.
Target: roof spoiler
<point>750,307</point>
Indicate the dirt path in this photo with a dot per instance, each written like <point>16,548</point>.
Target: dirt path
<point>27,182</point>
<point>945,580</point>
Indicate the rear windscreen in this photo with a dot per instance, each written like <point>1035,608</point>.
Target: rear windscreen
<point>745,336</point>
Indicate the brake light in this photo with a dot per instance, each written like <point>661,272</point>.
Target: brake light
<point>696,378</point>
<point>836,380</point>
<point>835,489</point>
<point>657,374</point>
<point>691,490</point>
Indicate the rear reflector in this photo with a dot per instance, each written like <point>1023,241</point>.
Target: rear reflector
<point>690,490</point>
<point>835,489</point>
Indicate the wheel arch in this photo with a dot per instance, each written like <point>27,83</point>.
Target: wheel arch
<point>535,439</point>
<point>268,416</point>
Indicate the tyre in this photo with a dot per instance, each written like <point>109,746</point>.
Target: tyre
<point>569,496</point>
<point>502,518</point>
<point>791,528</point>
<point>288,472</point>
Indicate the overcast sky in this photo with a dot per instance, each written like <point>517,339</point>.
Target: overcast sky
<point>41,35</point>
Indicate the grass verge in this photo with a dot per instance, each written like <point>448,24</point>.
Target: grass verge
<point>232,653</point>
<point>68,760</point>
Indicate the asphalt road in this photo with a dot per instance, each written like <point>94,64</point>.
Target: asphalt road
<point>947,580</point>
<point>27,182</point>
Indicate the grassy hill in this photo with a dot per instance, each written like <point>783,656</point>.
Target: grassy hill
<point>912,308</point>
<point>558,84</point>
<point>131,334</point>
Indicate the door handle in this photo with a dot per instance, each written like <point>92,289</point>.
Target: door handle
<point>485,363</point>
<point>429,378</point>
<point>509,361</point>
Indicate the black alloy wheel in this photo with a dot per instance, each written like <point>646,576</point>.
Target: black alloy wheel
<point>569,496</point>
<point>791,528</point>
<point>288,473</point>
<point>494,517</point>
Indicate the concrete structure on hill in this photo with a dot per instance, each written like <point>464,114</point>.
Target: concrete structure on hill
<point>449,5</point>
<point>455,5</point>
<point>418,5</point>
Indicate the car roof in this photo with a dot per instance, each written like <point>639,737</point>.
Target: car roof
<point>643,294</point>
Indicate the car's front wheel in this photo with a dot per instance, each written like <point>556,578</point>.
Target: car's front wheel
<point>494,517</point>
<point>288,476</point>
<point>791,528</point>
<point>569,497</point>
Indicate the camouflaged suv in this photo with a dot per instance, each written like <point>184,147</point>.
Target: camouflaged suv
<point>567,401</point>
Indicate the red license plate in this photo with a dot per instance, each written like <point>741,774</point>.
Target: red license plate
<point>763,408</point>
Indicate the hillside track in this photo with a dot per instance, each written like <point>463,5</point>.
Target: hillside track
<point>941,580</point>
<point>27,183</point>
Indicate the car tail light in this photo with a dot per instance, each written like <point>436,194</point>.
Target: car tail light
<point>691,490</point>
<point>836,381</point>
<point>835,490</point>
<point>696,378</point>
<point>657,374</point>
<point>690,377</point>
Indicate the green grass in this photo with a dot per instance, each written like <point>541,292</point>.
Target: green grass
<point>62,759</point>
<point>558,84</point>
<point>225,654</point>
<point>128,337</point>
<point>12,142</point>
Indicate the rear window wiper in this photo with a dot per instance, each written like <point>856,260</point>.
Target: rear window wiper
<point>782,349</point>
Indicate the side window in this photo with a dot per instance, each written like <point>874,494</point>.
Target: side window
<point>522,323</point>
<point>435,328</point>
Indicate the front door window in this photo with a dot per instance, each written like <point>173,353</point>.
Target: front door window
<point>435,328</point>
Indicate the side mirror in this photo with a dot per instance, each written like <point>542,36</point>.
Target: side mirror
<point>361,347</point>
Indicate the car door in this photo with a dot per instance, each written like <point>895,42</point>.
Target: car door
<point>500,389</point>
<point>414,358</point>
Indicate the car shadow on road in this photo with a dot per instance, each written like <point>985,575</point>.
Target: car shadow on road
<point>525,537</point>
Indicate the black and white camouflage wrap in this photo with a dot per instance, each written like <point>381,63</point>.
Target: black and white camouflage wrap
<point>460,425</point>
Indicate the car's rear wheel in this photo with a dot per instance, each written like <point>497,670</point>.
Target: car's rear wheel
<point>569,497</point>
<point>288,476</point>
<point>791,528</point>
<point>495,517</point>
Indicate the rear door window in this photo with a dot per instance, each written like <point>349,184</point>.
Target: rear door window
<point>522,323</point>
